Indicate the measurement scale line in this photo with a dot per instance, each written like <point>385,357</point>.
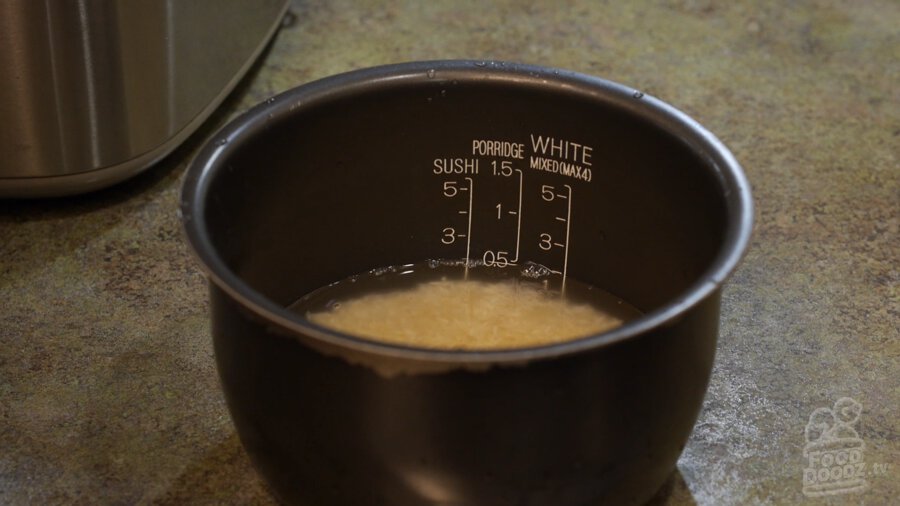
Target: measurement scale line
<point>566,249</point>
<point>519,223</point>
<point>471,189</point>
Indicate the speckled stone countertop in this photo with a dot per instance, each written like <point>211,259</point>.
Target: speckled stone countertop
<point>108,391</point>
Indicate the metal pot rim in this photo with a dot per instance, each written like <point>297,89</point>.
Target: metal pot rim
<point>212,156</point>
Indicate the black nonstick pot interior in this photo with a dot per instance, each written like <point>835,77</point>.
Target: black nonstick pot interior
<point>348,174</point>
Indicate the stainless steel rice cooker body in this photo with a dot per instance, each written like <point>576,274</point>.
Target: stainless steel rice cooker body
<point>93,92</point>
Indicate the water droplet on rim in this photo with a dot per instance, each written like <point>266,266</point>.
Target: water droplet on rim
<point>637,94</point>
<point>430,73</point>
